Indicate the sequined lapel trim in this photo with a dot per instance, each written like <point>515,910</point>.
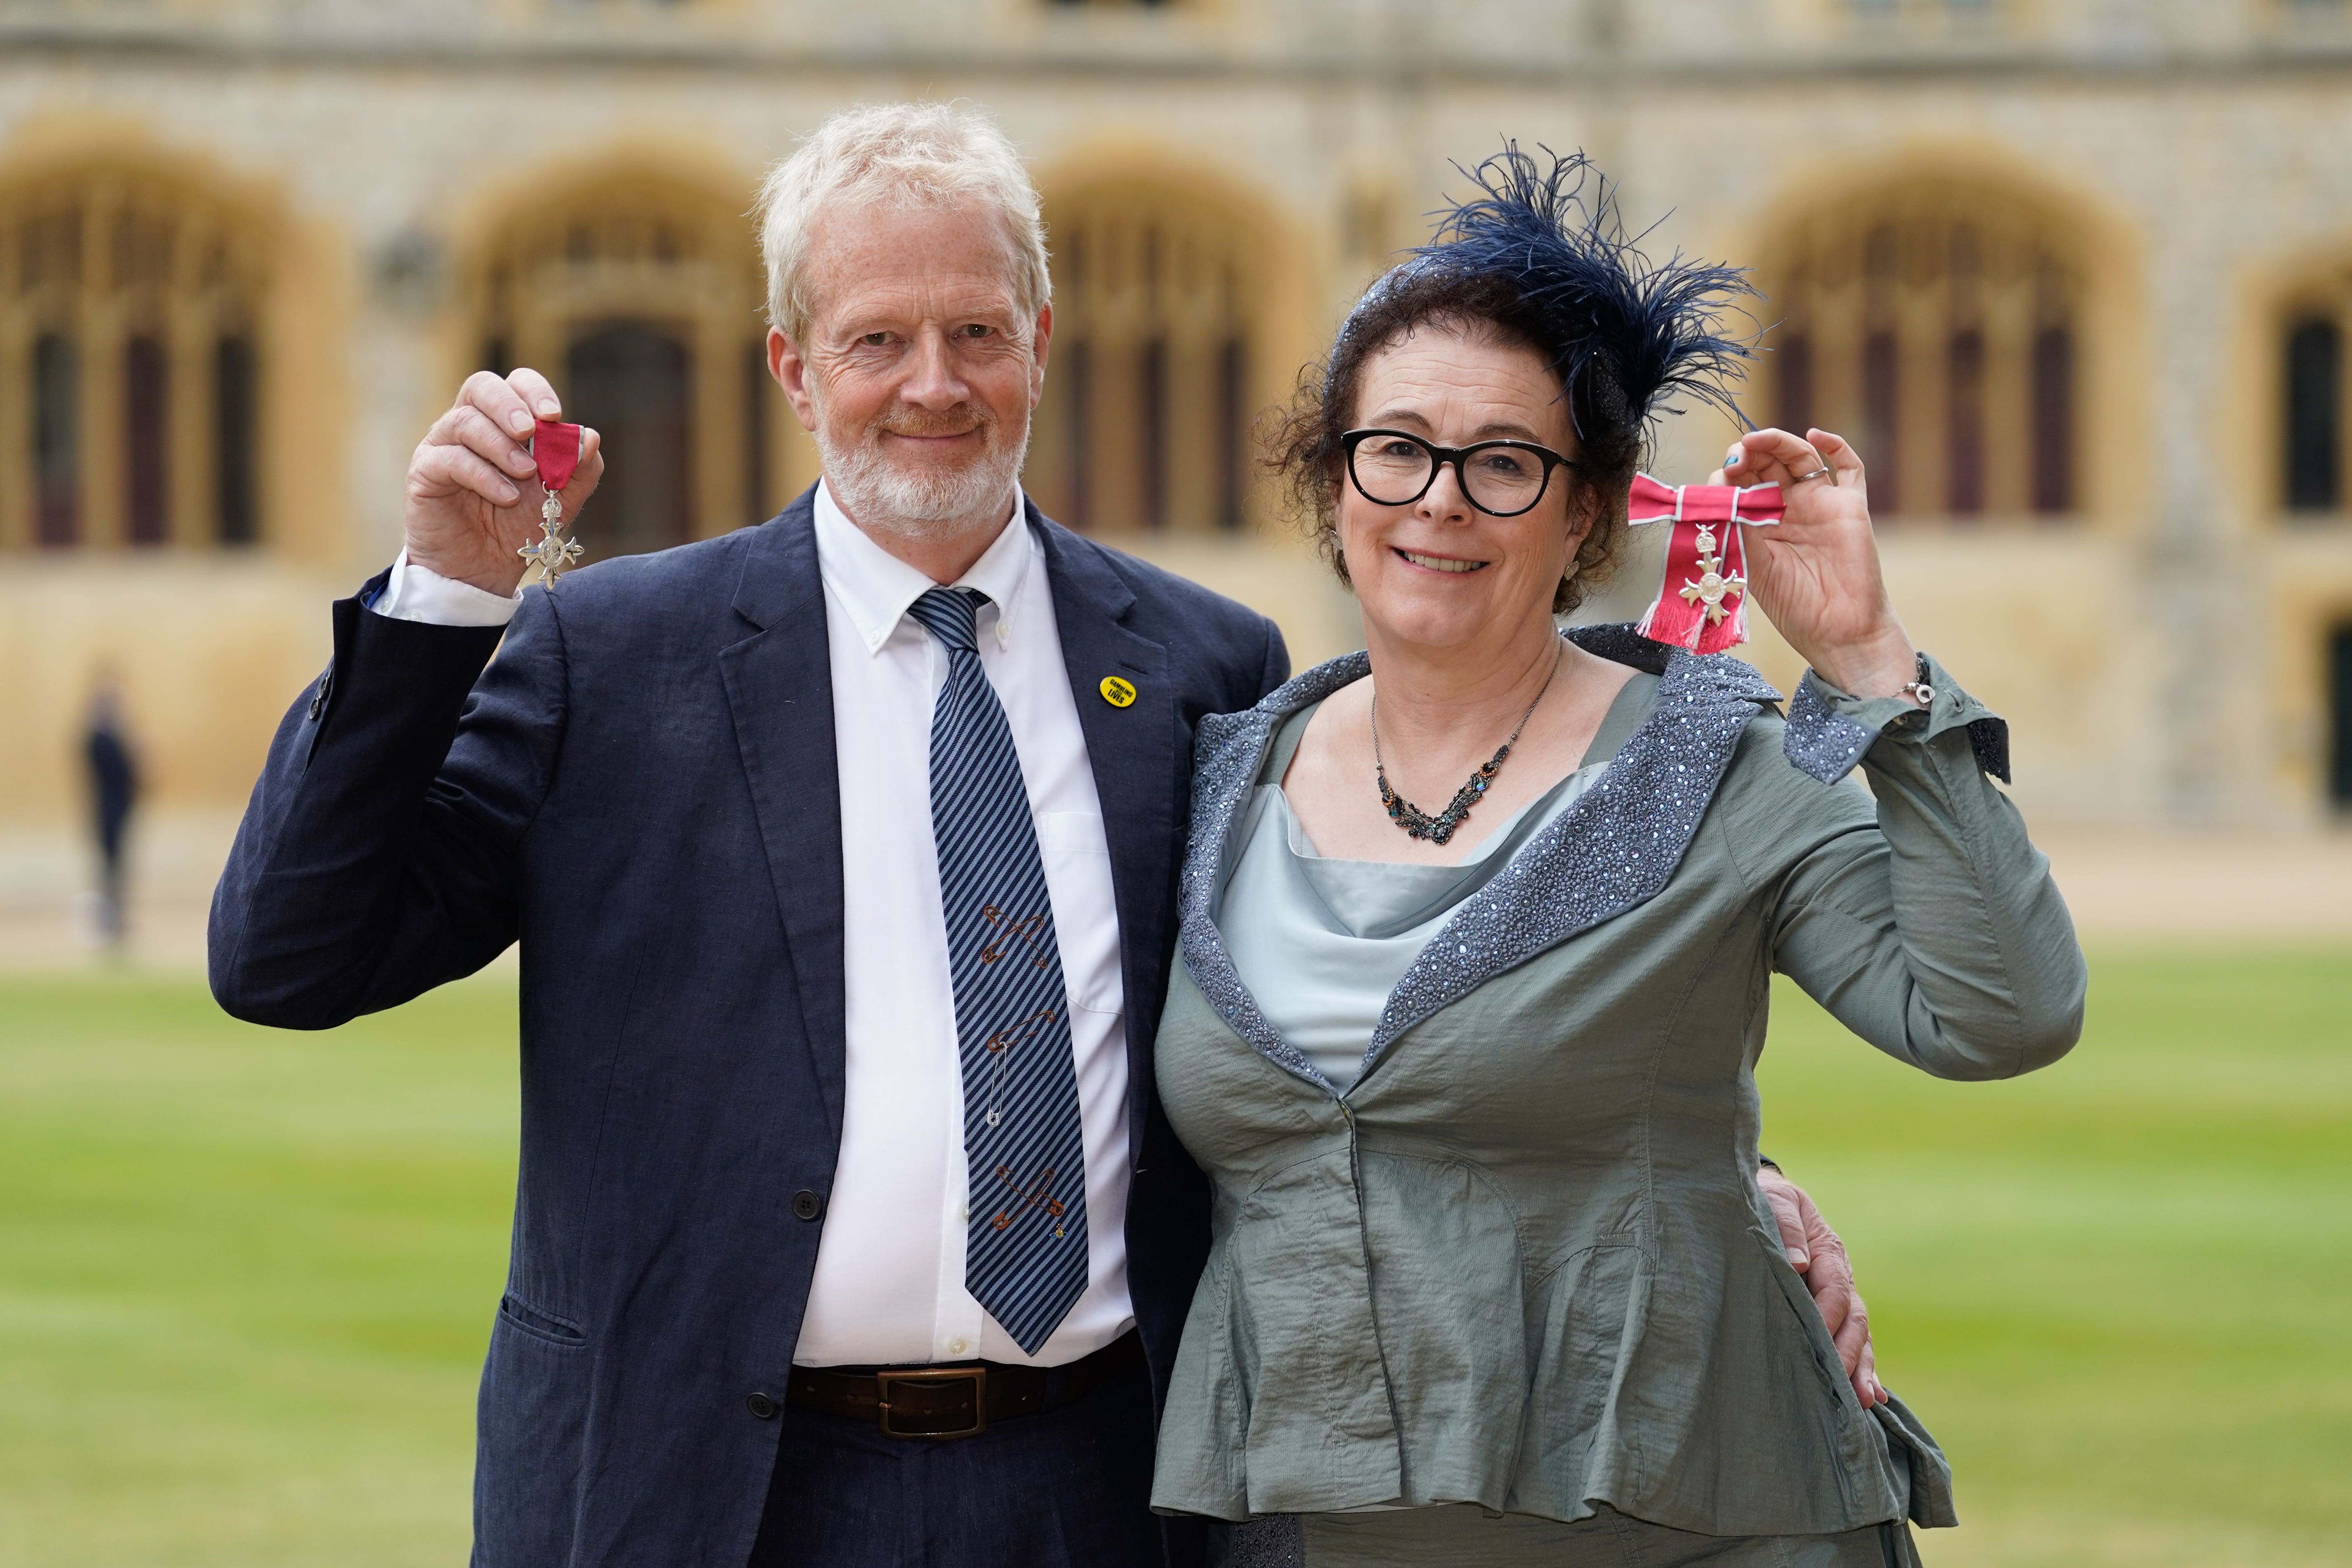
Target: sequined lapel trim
<point>1229,748</point>
<point>1613,849</point>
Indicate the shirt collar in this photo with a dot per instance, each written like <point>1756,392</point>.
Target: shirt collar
<point>875,587</point>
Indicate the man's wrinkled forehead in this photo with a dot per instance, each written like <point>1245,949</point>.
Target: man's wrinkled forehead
<point>902,259</point>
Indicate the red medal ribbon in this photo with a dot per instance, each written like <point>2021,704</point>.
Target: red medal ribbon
<point>1702,606</point>
<point>556,447</point>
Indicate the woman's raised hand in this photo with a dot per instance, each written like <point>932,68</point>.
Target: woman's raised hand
<point>472,487</point>
<point>1815,572</point>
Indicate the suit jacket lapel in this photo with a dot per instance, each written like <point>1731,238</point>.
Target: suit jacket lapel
<point>780,691</point>
<point>1132,751</point>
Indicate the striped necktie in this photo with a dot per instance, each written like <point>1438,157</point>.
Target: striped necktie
<point>1025,1259</point>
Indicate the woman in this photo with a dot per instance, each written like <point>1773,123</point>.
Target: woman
<point>1473,1078</point>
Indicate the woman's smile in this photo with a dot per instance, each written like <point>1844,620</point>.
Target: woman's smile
<point>1450,565</point>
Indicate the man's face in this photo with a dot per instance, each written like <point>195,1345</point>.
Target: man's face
<point>921,367</point>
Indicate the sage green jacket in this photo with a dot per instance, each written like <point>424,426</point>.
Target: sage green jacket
<point>1522,1261</point>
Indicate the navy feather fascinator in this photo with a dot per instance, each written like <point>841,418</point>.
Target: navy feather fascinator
<point>1621,330</point>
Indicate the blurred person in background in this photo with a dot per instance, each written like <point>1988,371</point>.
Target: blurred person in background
<point>1492,1279</point>
<point>841,853</point>
<point>113,777</point>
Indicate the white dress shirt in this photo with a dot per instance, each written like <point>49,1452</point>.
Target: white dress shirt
<point>890,1267</point>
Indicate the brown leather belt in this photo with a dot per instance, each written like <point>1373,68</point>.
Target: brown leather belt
<point>958,1400</point>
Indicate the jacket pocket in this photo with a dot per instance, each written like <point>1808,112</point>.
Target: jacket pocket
<point>516,1313</point>
<point>532,1430</point>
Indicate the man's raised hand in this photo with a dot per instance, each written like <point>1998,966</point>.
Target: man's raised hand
<point>473,495</point>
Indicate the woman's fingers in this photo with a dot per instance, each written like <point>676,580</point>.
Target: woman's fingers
<point>1843,459</point>
<point>1768,456</point>
<point>1836,452</point>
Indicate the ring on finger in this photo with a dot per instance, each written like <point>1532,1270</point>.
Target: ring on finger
<point>1824,472</point>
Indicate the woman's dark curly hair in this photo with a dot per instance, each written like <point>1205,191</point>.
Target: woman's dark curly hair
<point>1532,261</point>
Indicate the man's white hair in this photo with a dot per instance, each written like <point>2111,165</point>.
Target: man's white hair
<point>900,155</point>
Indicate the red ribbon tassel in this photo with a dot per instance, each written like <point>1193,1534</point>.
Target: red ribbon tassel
<point>556,447</point>
<point>1702,606</point>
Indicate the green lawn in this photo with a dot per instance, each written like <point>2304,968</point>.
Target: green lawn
<point>245,1277</point>
<point>2120,1291</point>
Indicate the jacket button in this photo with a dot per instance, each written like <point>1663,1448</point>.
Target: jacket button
<point>761,1406</point>
<point>806,1204</point>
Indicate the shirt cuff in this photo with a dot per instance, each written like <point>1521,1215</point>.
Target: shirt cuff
<point>1829,729</point>
<point>417,592</point>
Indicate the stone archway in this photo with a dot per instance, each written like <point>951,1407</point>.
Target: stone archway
<point>638,294</point>
<point>132,359</point>
<point>1939,322</point>
<point>1159,337</point>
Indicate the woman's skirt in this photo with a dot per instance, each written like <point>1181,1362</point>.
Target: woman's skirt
<point>1461,1535</point>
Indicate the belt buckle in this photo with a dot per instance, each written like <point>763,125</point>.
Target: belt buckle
<point>976,1375</point>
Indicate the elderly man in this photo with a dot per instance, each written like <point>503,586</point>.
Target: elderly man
<point>842,853</point>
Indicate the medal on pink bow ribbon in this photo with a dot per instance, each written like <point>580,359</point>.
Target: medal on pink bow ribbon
<point>1702,606</point>
<point>556,449</point>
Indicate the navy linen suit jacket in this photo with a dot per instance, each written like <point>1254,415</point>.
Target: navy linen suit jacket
<point>643,787</point>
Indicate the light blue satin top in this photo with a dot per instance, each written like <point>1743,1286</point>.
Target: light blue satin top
<point>1321,943</point>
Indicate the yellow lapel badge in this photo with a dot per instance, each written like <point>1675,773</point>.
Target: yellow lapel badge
<point>1117,692</point>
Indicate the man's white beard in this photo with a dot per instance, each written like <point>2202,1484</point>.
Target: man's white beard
<point>921,504</point>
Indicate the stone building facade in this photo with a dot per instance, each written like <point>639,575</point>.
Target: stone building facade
<point>2074,274</point>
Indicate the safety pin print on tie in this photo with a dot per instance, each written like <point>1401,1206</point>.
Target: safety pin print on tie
<point>1035,1197</point>
<point>1025,1249</point>
<point>999,1047</point>
<point>1027,931</point>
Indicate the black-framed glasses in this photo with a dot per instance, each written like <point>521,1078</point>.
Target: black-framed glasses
<point>1501,479</point>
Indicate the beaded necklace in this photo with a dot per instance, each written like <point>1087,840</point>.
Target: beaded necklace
<point>1439,830</point>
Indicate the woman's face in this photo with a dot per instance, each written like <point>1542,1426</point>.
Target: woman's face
<point>1440,572</point>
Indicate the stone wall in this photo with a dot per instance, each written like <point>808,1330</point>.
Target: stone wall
<point>2159,650</point>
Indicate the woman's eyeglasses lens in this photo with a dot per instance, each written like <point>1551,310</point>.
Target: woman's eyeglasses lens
<point>1393,470</point>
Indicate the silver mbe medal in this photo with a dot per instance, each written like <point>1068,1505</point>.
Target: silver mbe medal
<point>556,449</point>
<point>1706,555</point>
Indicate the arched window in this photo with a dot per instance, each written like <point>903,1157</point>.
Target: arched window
<point>2313,427</point>
<point>640,299</point>
<point>130,362</point>
<point>1938,328</point>
<point>1144,423</point>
